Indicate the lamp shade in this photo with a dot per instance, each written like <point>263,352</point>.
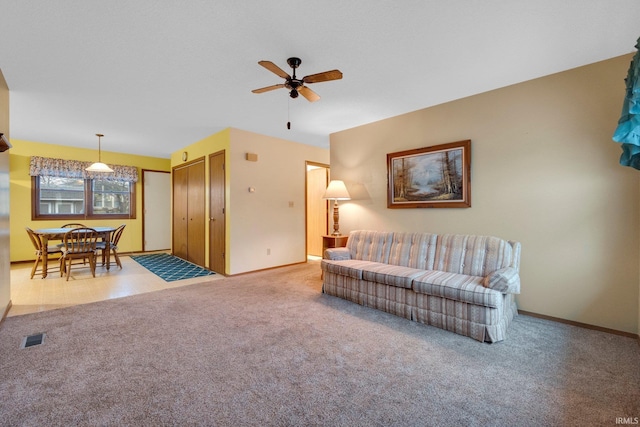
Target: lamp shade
<point>99,167</point>
<point>336,191</point>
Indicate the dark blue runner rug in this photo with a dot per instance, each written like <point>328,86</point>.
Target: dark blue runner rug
<point>170,268</point>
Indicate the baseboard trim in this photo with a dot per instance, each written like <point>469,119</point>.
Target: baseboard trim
<point>581,325</point>
<point>265,269</point>
<point>6,312</point>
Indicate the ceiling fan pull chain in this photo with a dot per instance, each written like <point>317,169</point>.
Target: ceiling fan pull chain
<point>288,113</point>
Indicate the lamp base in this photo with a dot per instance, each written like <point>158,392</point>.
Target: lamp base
<point>336,219</point>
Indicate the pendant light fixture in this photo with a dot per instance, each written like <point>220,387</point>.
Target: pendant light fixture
<point>99,166</point>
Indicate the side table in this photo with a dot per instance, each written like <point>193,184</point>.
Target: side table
<point>329,242</point>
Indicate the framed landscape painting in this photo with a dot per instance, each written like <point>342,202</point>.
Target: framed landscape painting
<point>431,177</point>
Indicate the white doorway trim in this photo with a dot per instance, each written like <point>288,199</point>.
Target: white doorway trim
<point>156,210</point>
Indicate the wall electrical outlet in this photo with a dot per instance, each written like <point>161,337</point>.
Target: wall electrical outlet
<point>268,251</point>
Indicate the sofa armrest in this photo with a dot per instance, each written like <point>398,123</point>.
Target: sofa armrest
<point>505,280</point>
<point>337,254</point>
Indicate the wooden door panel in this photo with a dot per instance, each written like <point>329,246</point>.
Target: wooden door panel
<point>180,213</point>
<point>217,238</point>
<point>196,211</point>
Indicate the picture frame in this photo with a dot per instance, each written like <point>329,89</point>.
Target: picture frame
<point>431,177</point>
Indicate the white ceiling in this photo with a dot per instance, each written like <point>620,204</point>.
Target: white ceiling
<point>156,75</point>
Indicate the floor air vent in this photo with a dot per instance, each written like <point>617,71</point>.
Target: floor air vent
<point>31,340</point>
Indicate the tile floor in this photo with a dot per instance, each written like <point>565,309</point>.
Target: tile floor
<point>38,294</point>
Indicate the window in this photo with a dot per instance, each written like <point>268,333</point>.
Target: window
<point>71,198</point>
<point>111,197</point>
<point>62,189</point>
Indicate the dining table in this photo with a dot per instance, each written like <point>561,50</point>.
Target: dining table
<point>47,234</point>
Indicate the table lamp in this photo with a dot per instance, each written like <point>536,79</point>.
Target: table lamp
<point>336,191</point>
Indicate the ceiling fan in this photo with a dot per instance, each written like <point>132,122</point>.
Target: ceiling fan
<point>295,85</point>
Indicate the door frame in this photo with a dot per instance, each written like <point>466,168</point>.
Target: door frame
<point>144,211</point>
<point>308,163</point>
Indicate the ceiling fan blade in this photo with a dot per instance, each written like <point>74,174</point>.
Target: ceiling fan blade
<point>267,89</point>
<point>323,77</point>
<point>308,93</point>
<point>274,69</point>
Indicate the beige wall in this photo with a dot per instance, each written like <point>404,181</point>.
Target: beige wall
<point>544,172</point>
<point>272,217</point>
<point>5,277</point>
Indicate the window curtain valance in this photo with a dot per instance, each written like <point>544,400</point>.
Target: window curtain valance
<point>45,166</point>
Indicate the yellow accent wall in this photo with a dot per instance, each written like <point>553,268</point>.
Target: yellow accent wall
<point>20,190</point>
<point>544,172</point>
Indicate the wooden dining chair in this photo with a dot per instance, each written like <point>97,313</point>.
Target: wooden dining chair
<point>113,246</point>
<point>71,225</point>
<point>41,251</point>
<point>79,243</point>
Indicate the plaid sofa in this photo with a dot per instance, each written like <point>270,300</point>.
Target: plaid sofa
<point>462,283</point>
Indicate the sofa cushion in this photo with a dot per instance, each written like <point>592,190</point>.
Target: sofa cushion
<point>472,255</point>
<point>368,245</point>
<point>458,287</point>
<point>415,250</point>
<point>392,275</point>
<point>350,268</point>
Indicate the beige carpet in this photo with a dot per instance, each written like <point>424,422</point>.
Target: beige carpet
<point>269,348</point>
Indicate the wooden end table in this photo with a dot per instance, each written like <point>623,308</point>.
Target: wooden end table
<point>329,242</point>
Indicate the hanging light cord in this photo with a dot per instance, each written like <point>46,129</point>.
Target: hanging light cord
<point>99,135</point>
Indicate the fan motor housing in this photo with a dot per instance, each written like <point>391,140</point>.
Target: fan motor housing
<point>293,83</point>
<point>294,62</point>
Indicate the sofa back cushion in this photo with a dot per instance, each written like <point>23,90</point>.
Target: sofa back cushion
<point>369,245</point>
<point>415,250</point>
<point>472,255</point>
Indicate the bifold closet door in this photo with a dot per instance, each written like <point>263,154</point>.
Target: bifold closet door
<point>188,212</point>
<point>180,212</point>
<point>196,209</point>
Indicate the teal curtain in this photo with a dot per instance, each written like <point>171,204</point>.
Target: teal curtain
<point>628,131</point>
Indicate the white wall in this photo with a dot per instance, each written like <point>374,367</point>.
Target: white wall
<point>273,216</point>
<point>544,172</point>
